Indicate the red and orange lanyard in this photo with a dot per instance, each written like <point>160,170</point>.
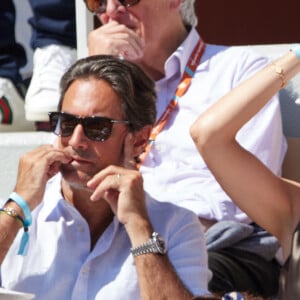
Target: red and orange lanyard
<point>183,86</point>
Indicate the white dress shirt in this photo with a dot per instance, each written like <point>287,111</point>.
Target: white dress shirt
<point>60,266</point>
<point>174,169</point>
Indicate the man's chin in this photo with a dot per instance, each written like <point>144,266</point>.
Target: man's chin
<point>78,186</point>
<point>75,179</point>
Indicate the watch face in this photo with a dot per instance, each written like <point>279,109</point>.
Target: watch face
<point>160,243</point>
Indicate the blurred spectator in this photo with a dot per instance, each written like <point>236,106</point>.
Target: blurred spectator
<point>54,43</point>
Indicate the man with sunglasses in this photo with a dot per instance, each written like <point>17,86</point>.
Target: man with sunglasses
<point>90,231</point>
<point>161,37</point>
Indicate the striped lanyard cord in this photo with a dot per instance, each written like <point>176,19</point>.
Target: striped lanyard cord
<point>183,86</point>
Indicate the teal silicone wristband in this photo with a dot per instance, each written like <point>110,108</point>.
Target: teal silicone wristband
<point>296,50</point>
<point>25,208</point>
<point>25,237</point>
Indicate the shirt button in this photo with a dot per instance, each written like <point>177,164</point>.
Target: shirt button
<point>85,270</point>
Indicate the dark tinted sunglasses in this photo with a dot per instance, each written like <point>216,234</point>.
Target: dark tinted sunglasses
<point>99,6</point>
<point>95,128</point>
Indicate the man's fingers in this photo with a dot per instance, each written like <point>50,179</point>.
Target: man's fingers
<point>116,39</point>
<point>129,161</point>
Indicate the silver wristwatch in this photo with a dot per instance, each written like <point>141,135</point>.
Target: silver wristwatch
<point>155,244</point>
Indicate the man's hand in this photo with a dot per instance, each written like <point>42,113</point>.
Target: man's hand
<point>116,39</point>
<point>122,188</point>
<point>35,169</point>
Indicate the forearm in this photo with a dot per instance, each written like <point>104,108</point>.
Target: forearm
<point>156,275</point>
<point>243,102</point>
<point>158,279</point>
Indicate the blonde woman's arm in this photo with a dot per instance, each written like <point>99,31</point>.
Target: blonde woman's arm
<point>272,202</point>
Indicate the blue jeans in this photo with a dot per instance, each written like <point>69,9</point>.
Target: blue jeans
<point>53,22</point>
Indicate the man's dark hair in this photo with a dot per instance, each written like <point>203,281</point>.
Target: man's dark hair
<point>134,87</point>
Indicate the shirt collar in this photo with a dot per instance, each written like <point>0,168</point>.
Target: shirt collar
<point>178,60</point>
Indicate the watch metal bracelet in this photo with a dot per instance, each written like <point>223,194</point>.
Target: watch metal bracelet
<point>155,244</point>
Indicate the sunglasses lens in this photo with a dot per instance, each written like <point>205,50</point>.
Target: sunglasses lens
<point>68,123</point>
<point>97,128</point>
<point>99,6</point>
<point>62,124</point>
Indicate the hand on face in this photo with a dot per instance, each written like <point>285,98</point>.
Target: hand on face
<point>122,188</point>
<point>116,39</point>
<point>35,169</point>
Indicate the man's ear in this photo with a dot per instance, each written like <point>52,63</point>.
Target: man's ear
<point>140,140</point>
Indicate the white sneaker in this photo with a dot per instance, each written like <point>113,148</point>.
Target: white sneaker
<point>49,64</point>
<point>12,113</point>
